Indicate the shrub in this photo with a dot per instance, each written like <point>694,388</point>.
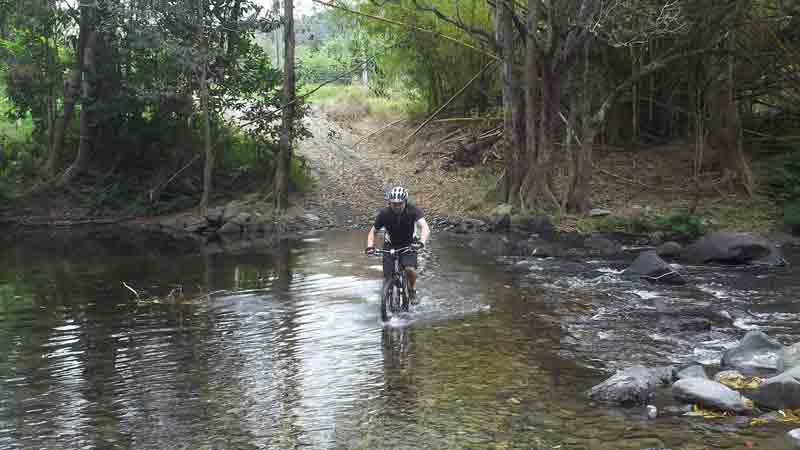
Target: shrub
<point>784,176</point>
<point>783,180</point>
<point>682,222</point>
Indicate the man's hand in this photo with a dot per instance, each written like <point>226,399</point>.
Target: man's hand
<point>369,251</point>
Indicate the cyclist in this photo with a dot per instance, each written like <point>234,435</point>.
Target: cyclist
<point>400,220</point>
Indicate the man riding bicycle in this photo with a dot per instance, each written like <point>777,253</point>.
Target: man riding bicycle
<point>400,220</point>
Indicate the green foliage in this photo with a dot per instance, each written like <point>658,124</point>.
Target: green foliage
<point>326,62</point>
<point>784,176</point>
<point>682,222</point>
<point>300,177</point>
<point>640,224</point>
<point>430,67</point>
<point>791,213</point>
<point>679,222</point>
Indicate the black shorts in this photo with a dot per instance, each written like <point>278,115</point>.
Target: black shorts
<point>406,260</point>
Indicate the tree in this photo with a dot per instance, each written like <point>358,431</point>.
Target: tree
<point>281,188</point>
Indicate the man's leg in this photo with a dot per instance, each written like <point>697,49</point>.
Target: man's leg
<point>411,274</point>
<point>410,266</point>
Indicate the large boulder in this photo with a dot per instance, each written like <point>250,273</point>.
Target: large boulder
<point>709,394</point>
<point>230,228</point>
<point>636,384</point>
<point>602,245</point>
<point>491,244</point>
<point>695,371</point>
<point>755,351</point>
<point>539,225</point>
<point>232,210</point>
<point>794,437</point>
<point>501,217</point>
<point>649,266</point>
<point>733,248</point>
<point>537,248</point>
<point>669,249</point>
<point>215,215</point>
<point>470,226</point>
<point>779,392</point>
<point>789,357</point>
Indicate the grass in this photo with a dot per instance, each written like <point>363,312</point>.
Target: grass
<point>759,215</point>
<point>355,101</point>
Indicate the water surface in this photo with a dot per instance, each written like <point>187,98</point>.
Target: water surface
<point>281,346</point>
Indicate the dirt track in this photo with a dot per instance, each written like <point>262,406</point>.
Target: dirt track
<point>350,179</point>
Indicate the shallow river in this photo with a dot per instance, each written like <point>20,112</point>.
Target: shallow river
<point>281,347</point>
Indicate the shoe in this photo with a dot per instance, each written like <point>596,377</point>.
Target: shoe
<point>412,296</point>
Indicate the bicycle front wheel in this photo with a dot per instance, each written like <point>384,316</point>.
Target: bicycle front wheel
<point>386,299</point>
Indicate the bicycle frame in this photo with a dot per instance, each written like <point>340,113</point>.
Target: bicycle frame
<point>398,298</point>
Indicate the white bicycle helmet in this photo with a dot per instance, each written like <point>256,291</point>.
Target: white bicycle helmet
<point>397,194</point>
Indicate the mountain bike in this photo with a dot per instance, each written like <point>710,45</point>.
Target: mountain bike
<point>394,294</point>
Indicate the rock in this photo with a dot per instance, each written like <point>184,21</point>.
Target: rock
<point>695,371</point>
<point>794,437</point>
<point>694,324</point>
<point>232,209</point>
<point>501,217</point>
<point>650,267</point>
<point>755,351</point>
<point>242,219</point>
<point>523,266</point>
<point>470,226</point>
<point>636,384</point>
<point>491,244</point>
<point>599,212</point>
<point>652,412</point>
<point>779,392</point>
<point>230,228</point>
<point>677,410</point>
<point>313,218</point>
<point>215,215</point>
<point>669,249</point>
<point>604,246</point>
<point>535,247</point>
<point>709,394</point>
<point>539,226</point>
<point>194,224</point>
<point>789,357</point>
<point>733,248</point>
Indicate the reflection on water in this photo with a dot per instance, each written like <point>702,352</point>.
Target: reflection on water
<point>281,347</point>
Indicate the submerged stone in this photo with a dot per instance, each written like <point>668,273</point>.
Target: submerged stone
<point>633,385</point>
<point>709,394</point>
<point>755,351</point>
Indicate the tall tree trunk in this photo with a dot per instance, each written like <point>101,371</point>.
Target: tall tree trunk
<point>512,111</point>
<point>88,99</point>
<point>533,105</point>
<point>72,89</point>
<point>580,193</point>
<point>285,156</point>
<point>208,168</point>
<point>276,37</point>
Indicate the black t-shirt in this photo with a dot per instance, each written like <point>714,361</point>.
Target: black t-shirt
<point>399,226</point>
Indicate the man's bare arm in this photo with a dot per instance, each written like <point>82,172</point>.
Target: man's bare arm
<point>371,237</point>
<point>424,231</point>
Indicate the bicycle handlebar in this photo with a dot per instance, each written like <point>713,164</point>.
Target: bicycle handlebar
<point>394,251</point>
